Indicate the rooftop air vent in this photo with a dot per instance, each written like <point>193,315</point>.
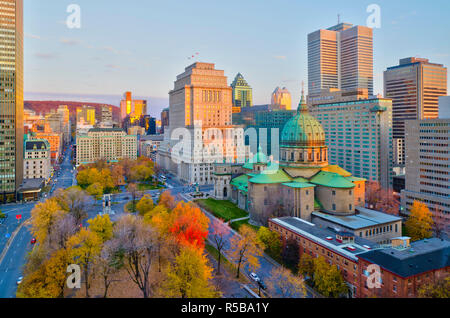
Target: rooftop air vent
<point>329,238</point>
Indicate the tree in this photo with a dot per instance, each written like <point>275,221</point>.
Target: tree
<point>328,280</point>
<point>189,276</point>
<point>60,232</point>
<point>440,223</point>
<point>420,222</point>
<point>102,226</point>
<point>49,280</point>
<point>75,201</point>
<point>167,200</point>
<point>133,190</point>
<point>246,248</point>
<point>106,266</point>
<point>106,180</point>
<point>96,190</point>
<point>133,244</point>
<point>43,217</point>
<point>291,253</point>
<point>189,225</point>
<point>2,215</point>
<point>271,240</point>
<point>283,284</point>
<point>306,265</point>
<point>117,175</point>
<point>145,205</point>
<point>141,173</point>
<point>85,246</point>
<point>437,289</point>
<point>219,233</point>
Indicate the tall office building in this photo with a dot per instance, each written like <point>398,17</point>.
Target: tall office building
<point>242,93</point>
<point>164,120</point>
<point>11,98</point>
<point>444,107</point>
<point>106,114</point>
<point>340,57</point>
<point>414,87</point>
<point>134,108</point>
<point>427,165</point>
<point>86,115</point>
<point>201,96</point>
<point>281,99</point>
<point>358,132</point>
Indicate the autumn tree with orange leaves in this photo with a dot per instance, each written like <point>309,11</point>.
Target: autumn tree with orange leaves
<point>189,225</point>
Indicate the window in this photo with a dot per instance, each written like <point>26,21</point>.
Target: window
<point>333,192</point>
<point>334,207</point>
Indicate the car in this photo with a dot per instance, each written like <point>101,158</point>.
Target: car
<point>19,280</point>
<point>33,241</point>
<point>255,277</point>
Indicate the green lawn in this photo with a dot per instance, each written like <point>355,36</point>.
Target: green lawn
<point>236,225</point>
<point>148,186</point>
<point>225,210</point>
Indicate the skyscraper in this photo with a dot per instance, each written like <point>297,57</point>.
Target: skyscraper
<point>340,57</point>
<point>86,114</point>
<point>11,98</point>
<point>414,87</point>
<point>135,108</point>
<point>358,130</point>
<point>242,93</point>
<point>281,99</point>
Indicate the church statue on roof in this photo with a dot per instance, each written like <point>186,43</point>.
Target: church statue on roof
<point>303,184</point>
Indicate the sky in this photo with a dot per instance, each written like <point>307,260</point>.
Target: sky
<point>142,45</point>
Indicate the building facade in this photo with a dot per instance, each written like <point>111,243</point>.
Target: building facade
<point>201,103</point>
<point>11,98</point>
<point>428,166</point>
<point>340,57</point>
<point>86,115</point>
<point>281,99</point>
<point>414,86</point>
<point>134,108</point>
<point>242,93</point>
<point>106,114</point>
<point>110,144</point>
<point>358,131</point>
<point>37,159</point>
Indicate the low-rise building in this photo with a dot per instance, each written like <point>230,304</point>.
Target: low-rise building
<point>404,267</point>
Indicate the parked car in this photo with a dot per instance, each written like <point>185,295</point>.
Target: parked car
<point>255,277</point>
<point>33,241</point>
<point>19,280</point>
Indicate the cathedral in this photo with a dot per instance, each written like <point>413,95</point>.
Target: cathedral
<point>302,184</point>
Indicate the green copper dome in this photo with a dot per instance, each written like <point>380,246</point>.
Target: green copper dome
<point>303,130</point>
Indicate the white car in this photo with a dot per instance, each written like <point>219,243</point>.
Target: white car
<point>19,280</point>
<point>255,277</point>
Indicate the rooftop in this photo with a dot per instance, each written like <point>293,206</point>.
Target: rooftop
<point>421,257</point>
<point>365,218</point>
<point>325,237</point>
<point>332,180</point>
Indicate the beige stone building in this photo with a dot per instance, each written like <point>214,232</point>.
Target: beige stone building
<point>110,144</point>
<point>201,104</point>
<point>37,159</point>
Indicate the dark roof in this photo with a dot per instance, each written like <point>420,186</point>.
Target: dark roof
<point>105,129</point>
<point>31,185</point>
<point>421,257</point>
<point>326,236</point>
<point>30,145</point>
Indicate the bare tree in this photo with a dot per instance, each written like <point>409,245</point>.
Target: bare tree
<point>61,231</point>
<point>134,243</point>
<point>133,189</point>
<point>106,266</point>
<point>219,233</point>
<point>440,226</point>
<point>75,201</point>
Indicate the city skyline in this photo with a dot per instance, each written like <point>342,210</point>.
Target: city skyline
<point>282,61</point>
